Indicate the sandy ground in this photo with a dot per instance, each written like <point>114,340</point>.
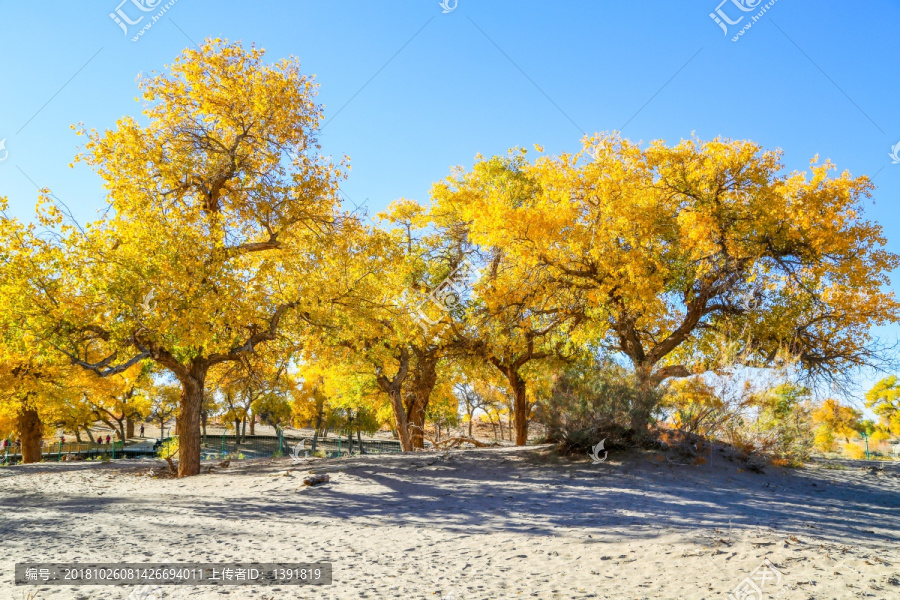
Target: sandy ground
<point>502,523</point>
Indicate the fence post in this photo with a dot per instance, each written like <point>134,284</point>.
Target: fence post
<point>340,438</point>
<point>223,444</point>
<point>59,452</point>
<point>281,441</point>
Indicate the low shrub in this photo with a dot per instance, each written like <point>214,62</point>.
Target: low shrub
<point>587,405</point>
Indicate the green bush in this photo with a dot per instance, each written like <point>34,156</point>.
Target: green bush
<point>589,403</point>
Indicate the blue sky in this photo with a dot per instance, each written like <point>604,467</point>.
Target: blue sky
<point>410,90</point>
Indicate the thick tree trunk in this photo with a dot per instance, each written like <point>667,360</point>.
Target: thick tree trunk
<point>400,420</point>
<point>522,410</point>
<point>642,409</point>
<point>31,431</point>
<point>471,418</point>
<point>121,429</point>
<point>423,380</point>
<point>416,422</point>
<point>188,423</point>
<point>252,424</point>
<point>393,387</point>
<point>78,434</point>
<point>129,428</point>
<point>520,399</point>
<point>320,410</point>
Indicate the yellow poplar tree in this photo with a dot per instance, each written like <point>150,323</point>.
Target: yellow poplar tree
<point>383,336</point>
<point>221,231</point>
<point>668,246</point>
<point>835,419</point>
<point>516,315</point>
<point>120,400</point>
<point>36,383</point>
<point>884,400</point>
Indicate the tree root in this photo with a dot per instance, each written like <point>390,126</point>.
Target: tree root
<point>172,465</point>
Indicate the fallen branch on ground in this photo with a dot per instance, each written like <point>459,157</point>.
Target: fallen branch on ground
<point>316,479</point>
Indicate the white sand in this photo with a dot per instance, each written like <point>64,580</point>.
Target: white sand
<point>506,523</point>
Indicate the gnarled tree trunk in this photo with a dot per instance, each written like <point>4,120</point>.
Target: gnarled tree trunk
<point>320,412</point>
<point>642,407</point>
<point>393,387</point>
<point>400,420</point>
<point>415,414</point>
<point>129,428</point>
<point>31,431</point>
<point>188,423</point>
<point>521,407</point>
<point>424,378</point>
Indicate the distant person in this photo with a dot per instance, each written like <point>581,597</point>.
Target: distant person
<point>18,443</point>
<point>62,439</point>
<point>142,430</point>
<point>107,438</point>
<point>99,439</point>
<point>5,444</point>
